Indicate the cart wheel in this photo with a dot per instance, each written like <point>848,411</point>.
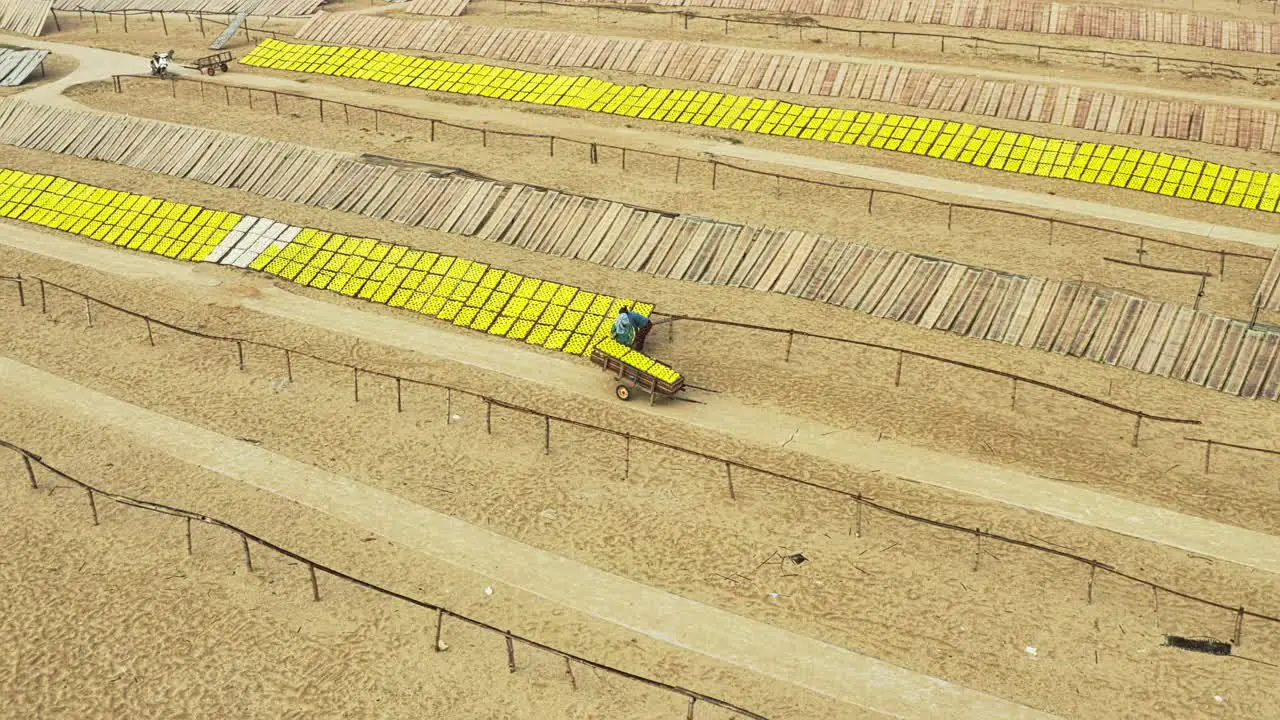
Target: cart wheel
<point>211,71</point>
<point>623,392</point>
<point>223,66</point>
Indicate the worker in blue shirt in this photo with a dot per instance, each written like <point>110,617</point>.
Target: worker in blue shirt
<point>631,328</point>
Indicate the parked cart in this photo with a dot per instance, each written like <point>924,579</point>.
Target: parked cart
<point>211,64</point>
<point>629,378</point>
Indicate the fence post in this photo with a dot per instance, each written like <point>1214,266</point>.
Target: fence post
<point>858,532</point>
<point>189,550</point>
<point>150,337</point>
<point>439,646</point>
<point>488,416</point>
<point>31,473</point>
<point>164,25</point>
<point>897,375</point>
<point>1093,571</point>
<point>728,470</point>
<point>355,382</point>
<point>1013,395</point>
<point>448,406</point>
<point>714,167</point>
<point>44,305</point>
<point>626,471</point>
<point>240,353</point>
<point>1208,452</point>
<point>1239,626</point>
<point>22,293</point>
<point>511,654</point>
<point>248,561</point>
<point>692,701</point>
<point>93,506</point>
<point>88,312</point>
<point>288,366</point>
<point>547,431</point>
<point>399,401</point>
<point>1137,428</point>
<point>315,587</point>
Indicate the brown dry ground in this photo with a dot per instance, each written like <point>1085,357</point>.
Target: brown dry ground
<point>976,237</point>
<point>682,532</point>
<point>867,593</point>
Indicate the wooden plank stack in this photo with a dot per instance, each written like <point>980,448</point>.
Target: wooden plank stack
<point>17,65</point>
<point>274,8</point>
<point>443,8</point>
<point>24,17</point>
<point>1268,297</point>
<point>1063,105</point>
<point>1067,317</point>
<point>1032,16</point>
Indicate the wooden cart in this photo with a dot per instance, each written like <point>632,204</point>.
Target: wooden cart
<point>630,378</point>
<point>211,64</point>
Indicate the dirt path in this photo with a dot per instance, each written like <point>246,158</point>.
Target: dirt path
<point>826,669</point>
<point>722,414</point>
<point>98,64</point>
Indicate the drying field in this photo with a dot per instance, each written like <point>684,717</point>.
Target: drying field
<point>975,307</point>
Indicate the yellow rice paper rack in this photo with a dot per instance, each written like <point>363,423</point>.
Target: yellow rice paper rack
<point>638,361</point>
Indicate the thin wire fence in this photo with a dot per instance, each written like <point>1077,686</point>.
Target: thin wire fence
<point>31,460</point>
<point>729,464</point>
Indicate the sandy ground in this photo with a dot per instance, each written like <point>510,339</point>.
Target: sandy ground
<point>683,535</point>
<point>353,655</point>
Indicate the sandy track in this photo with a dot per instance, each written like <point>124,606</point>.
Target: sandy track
<point>823,668</point>
<point>731,417</point>
<point>98,64</point>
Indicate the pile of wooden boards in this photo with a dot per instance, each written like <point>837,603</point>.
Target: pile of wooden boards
<point>436,7</point>
<point>1067,317</point>
<point>275,8</point>
<point>17,65</point>
<point>24,17</point>
<point>1032,16</point>
<point>469,294</point>
<point>1053,103</point>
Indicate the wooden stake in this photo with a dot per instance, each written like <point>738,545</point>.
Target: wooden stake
<point>977,556</point>
<point>189,550</point>
<point>399,400</point>
<point>692,701</point>
<point>150,337</point>
<point>897,375</point>
<point>439,626</point>
<point>547,431</point>
<point>1013,395</point>
<point>859,521</point>
<point>93,506</point>
<point>568,670</point>
<point>315,586</point>
<point>355,382</point>
<point>488,416</point>
<point>448,406</point>
<point>44,305</point>
<point>1093,571</point>
<point>1239,626</point>
<point>626,472</point>
<point>728,469</point>
<point>248,561</point>
<point>1137,428</point>
<point>88,312</point>
<point>511,654</point>
<point>31,473</point>
<point>791,336</point>
<point>288,365</point>
<point>240,353</point>
<point>1208,452</point>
